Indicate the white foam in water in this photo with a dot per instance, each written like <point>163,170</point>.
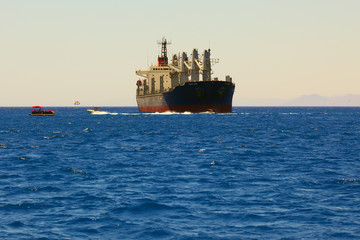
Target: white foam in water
<point>207,112</point>
<point>156,113</point>
<point>168,113</point>
<point>178,113</point>
<point>104,113</point>
<point>125,114</point>
<point>159,113</point>
<point>99,113</point>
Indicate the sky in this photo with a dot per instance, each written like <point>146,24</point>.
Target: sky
<point>55,52</point>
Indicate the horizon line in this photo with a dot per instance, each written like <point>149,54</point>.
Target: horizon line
<point>232,106</point>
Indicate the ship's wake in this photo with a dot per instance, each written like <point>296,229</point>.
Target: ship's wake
<point>104,113</point>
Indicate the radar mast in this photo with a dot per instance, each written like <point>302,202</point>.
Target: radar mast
<point>163,59</point>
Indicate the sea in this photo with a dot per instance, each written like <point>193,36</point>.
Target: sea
<point>257,173</point>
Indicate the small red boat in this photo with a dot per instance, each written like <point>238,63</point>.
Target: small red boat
<point>38,111</point>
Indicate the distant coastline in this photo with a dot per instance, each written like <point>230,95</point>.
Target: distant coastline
<point>313,100</point>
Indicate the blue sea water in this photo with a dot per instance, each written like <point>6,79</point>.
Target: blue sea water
<point>259,173</point>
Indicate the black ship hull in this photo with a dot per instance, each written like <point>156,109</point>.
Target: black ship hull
<point>202,96</point>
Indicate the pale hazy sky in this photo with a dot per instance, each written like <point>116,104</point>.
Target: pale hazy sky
<point>54,52</point>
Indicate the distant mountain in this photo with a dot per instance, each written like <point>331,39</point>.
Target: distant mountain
<point>317,100</point>
<point>305,100</point>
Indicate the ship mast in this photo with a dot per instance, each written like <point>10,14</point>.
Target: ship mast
<point>163,59</point>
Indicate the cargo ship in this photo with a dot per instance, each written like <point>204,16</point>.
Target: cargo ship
<point>177,87</point>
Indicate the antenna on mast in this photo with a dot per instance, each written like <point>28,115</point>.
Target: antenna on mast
<point>163,59</point>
